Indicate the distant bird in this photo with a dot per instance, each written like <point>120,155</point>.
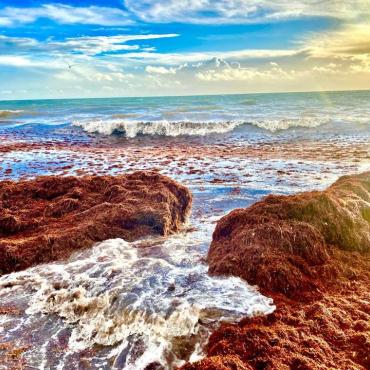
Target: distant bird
<point>69,65</point>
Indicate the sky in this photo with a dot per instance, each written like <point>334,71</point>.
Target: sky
<point>86,48</point>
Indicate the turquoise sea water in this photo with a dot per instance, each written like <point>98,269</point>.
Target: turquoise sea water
<point>331,113</point>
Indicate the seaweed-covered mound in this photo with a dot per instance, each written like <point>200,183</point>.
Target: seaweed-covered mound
<point>285,243</point>
<point>219,363</point>
<point>331,332</point>
<point>311,253</point>
<point>48,218</point>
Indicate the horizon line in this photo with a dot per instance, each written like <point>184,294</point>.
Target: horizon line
<point>189,95</point>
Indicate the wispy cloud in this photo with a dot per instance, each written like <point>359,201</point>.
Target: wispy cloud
<point>26,62</point>
<point>243,11</point>
<point>189,11</point>
<point>160,70</point>
<point>100,44</point>
<point>198,57</point>
<point>17,61</point>
<point>65,14</point>
<point>348,41</point>
<point>70,47</point>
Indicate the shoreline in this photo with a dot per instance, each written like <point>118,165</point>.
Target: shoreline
<point>224,176</point>
<point>293,166</point>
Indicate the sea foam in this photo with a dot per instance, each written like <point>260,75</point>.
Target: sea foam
<point>161,128</point>
<point>132,129</point>
<point>143,304</point>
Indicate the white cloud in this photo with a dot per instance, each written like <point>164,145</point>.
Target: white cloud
<point>5,22</point>
<point>349,41</point>
<point>160,70</point>
<point>330,68</point>
<point>87,45</point>
<point>95,74</point>
<point>224,71</point>
<point>243,11</point>
<point>180,58</point>
<point>17,61</point>
<point>345,50</point>
<point>21,61</point>
<point>90,45</point>
<point>186,11</point>
<point>66,14</point>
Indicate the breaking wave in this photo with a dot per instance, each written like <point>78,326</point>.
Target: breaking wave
<point>161,128</point>
<point>132,129</point>
<point>9,113</point>
<point>275,125</point>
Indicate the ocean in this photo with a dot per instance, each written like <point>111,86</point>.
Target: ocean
<point>230,150</point>
<point>330,112</point>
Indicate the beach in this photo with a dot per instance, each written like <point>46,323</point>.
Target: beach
<point>154,299</point>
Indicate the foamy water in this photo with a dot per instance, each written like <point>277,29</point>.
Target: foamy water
<point>131,128</point>
<point>155,128</point>
<point>132,304</point>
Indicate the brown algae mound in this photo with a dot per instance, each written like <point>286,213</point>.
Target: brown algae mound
<point>310,252</point>
<point>285,243</point>
<point>48,218</point>
<point>331,332</point>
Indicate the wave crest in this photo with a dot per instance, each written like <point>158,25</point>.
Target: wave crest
<point>9,113</point>
<point>131,129</point>
<point>161,128</point>
<point>275,125</point>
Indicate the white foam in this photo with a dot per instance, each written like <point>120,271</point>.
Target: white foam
<point>162,128</point>
<point>275,125</point>
<point>130,128</point>
<point>148,303</point>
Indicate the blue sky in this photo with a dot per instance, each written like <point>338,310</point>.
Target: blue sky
<point>175,47</point>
